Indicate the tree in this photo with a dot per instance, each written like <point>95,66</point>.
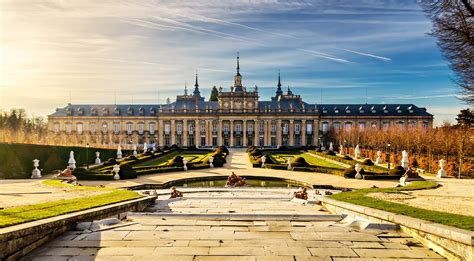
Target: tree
<point>465,118</point>
<point>453,25</point>
<point>214,94</point>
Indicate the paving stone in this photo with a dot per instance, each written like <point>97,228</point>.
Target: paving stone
<point>395,246</point>
<point>167,258</point>
<point>255,242</point>
<point>333,252</point>
<point>136,227</point>
<point>366,245</point>
<point>226,258</point>
<point>313,243</point>
<point>395,253</point>
<point>205,243</point>
<point>286,251</point>
<point>181,251</point>
<point>312,258</point>
<point>125,251</point>
<point>50,258</point>
<point>103,235</point>
<point>237,251</point>
<point>253,235</point>
<point>275,258</point>
<point>58,251</point>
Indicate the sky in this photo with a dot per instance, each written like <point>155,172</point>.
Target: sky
<point>104,52</point>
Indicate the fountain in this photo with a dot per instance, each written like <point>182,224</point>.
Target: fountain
<point>175,193</point>
<point>235,181</point>
<point>36,173</point>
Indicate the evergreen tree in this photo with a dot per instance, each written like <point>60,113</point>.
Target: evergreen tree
<point>214,94</point>
<point>466,118</point>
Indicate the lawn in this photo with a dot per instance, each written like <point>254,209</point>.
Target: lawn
<point>23,214</point>
<point>359,197</point>
<point>190,156</point>
<point>281,158</point>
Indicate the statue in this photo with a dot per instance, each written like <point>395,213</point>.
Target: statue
<point>211,160</point>
<point>135,150</point>
<point>235,181</point>
<point>379,157</point>
<point>264,158</point>
<point>67,172</point>
<point>358,168</point>
<point>302,194</point>
<point>97,158</point>
<point>36,173</point>
<point>176,193</point>
<point>144,147</point>
<point>119,152</point>
<point>288,161</point>
<point>185,161</point>
<point>331,148</point>
<point>357,152</point>
<point>404,162</point>
<point>441,171</point>
<point>116,169</point>
<point>72,161</point>
<point>341,150</point>
<point>153,147</point>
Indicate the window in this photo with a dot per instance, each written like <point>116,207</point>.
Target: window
<point>361,125</point>
<point>116,127</point>
<point>214,127</point>
<point>250,127</point>
<point>238,128</point>
<point>297,128</point>
<point>309,128</point>
<point>141,128</point>
<point>92,127</point>
<point>68,128</point>
<point>226,128</point>
<point>179,128</point>
<point>56,127</point>
<point>167,128</point>
<point>105,127</point>
<point>412,125</point>
<point>325,126</point>
<point>374,124</point>
<point>129,128</point>
<point>191,128</point>
<point>425,125</point>
<point>152,127</point>
<point>337,125</point>
<point>400,124</point>
<point>202,127</point>
<point>285,128</point>
<point>79,128</point>
<point>261,127</point>
<point>348,126</point>
<point>385,125</point>
<point>273,127</point>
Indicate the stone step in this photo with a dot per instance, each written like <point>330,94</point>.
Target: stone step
<point>240,217</point>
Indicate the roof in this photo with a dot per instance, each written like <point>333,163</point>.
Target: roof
<point>283,105</point>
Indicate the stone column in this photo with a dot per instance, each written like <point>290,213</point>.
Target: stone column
<point>267,133</point>
<point>303,133</point>
<point>184,135</point>
<point>197,133</point>
<point>208,132</point>
<point>257,133</point>
<point>219,134</point>
<point>292,133</point>
<point>244,142</point>
<point>173,132</point>
<point>315,132</point>
<point>232,133</point>
<point>278,134</point>
<point>161,132</point>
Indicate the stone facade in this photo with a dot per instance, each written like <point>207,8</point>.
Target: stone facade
<point>237,119</point>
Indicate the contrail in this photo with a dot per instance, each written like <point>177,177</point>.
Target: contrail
<point>369,55</point>
<point>324,55</point>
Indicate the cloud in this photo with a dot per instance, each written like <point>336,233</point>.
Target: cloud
<point>369,55</point>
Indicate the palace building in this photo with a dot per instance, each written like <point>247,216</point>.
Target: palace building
<point>237,119</point>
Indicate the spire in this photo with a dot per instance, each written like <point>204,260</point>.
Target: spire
<point>289,92</point>
<point>279,92</point>
<point>185,89</point>
<point>238,65</point>
<point>196,87</point>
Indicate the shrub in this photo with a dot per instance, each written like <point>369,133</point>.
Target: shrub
<point>223,149</point>
<point>219,160</point>
<point>127,172</point>
<point>251,148</point>
<point>299,162</point>
<point>174,146</point>
<point>131,157</point>
<point>176,161</point>
<point>368,162</point>
<point>283,148</point>
<point>397,171</point>
<point>191,148</point>
<point>110,162</point>
<point>303,148</point>
<point>256,153</point>
<point>330,153</point>
<point>276,166</point>
<point>148,153</point>
<point>268,160</point>
<point>79,171</point>
<point>350,172</point>
<point>311,147</point>
<point>347,157</point>
<point>414,163</point>
<point>166,148</point>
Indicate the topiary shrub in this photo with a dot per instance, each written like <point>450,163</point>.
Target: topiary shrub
<point>268,160</point>
<point>256,153</point>
<point>79,171</point>
<point>251,148</point>
<point>283,148</point>
<point>176,161</point>
<point>299,162</point>
<point>127,172</point>
<point>174,146</point>
<point>131,157</point>
<point>223,149</point>
<point>311,147</point>
<point>330,153</point>
<point>397,171</point>
<point>148,153</point>
<point>368,162</point>
<point>303,148</point>
<point>166,148</point>
<point>110,162</point>
<point>347,157</point>
<point>192,147</point>
<point>350,172</point>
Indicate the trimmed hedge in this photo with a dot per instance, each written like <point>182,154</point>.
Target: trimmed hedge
<point>397,171</point>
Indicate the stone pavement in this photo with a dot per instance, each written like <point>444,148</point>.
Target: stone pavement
<point>155,236</point>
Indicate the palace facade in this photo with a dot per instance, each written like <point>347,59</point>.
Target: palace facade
<point>237,119</point>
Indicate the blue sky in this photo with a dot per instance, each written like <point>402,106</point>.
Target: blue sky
<point>85,51</point>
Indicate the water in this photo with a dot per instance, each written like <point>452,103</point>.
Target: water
<point>249,183</point>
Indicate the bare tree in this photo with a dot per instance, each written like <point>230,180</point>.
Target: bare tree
<point>453,25</point>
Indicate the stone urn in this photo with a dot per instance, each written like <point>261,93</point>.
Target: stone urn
<point>404,162</point>
<point>441,171</point>
<point>211,161</point>
<point>119,152</point>
<point>264,158</point>
<point>145,147</point>
<point>97,158</point>
<point>185,161</point>
<point>288,161</point>
<point>72,161</point>
<point>331,148</point>
<point>379,158</point>
<point>36,173</point>
<point>135,153</point>
<point>358,169</point>
<point>116,169</point>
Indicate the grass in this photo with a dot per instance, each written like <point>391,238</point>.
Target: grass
<point>359,197</point>
<point>281,158</point>
<point>28,213</point>
<point>158,161</point>
<point>190,156</point>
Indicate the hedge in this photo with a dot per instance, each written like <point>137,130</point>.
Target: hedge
<point>16,160</point>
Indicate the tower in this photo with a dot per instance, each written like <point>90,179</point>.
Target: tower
<point>238,78</point>
<point>279,92</point>
<point>196,92</point>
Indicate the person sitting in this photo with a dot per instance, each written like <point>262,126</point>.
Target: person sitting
<point>176,193</point>
<point>302,194</point>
